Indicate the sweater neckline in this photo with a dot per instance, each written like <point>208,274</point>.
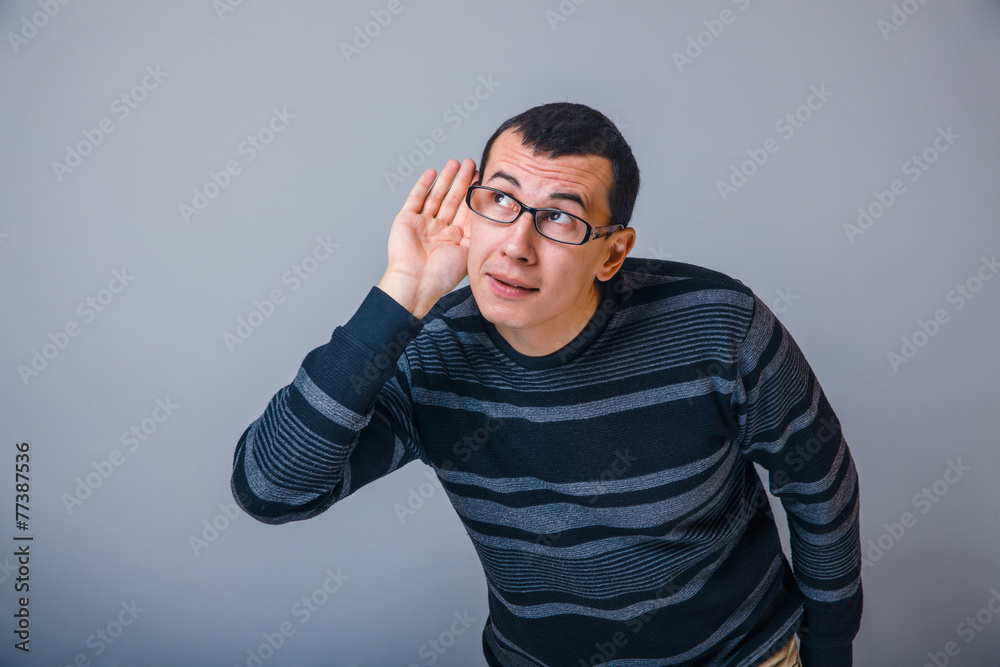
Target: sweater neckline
<point>606,308</point>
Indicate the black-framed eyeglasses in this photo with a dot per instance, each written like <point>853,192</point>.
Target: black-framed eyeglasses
<point>553,224</point>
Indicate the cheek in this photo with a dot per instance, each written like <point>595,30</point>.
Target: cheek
<point>576,277</point>
<point>476,255</point>
<point>481,244</point>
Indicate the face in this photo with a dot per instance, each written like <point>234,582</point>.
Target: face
<point>558,294</point>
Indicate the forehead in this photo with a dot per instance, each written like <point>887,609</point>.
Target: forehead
<point>588,176</point>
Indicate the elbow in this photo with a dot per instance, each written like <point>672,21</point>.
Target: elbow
<point>271,511</point>
<point>265,511</point>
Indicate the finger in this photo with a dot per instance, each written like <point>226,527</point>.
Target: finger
<point>440,187</point>
<point>415,200</point>
<point>464,214</point>
<point>463,222</point>
<point>456,195</point>
<point>460,218</point>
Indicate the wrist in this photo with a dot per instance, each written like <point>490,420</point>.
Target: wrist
<point>403,289</point>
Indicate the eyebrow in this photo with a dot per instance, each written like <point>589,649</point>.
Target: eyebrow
<point>568,196</point>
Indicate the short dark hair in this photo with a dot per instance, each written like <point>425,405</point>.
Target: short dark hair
<point>567,128</point>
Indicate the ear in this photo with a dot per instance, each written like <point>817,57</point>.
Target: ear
<point>618,246</point>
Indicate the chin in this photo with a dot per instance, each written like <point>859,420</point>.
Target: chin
<point>499,314</point>
<point>506,321</point>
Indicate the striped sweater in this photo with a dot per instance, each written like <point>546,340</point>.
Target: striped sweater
<point>608,488</point>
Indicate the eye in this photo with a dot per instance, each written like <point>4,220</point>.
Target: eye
<point>503,200</point>
<point>556,217</point>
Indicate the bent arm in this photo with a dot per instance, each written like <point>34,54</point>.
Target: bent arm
<point>344,421</point>
<point>347,418</point>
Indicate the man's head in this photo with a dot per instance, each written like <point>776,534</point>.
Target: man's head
<point>553,156</point>
<point>565,128</point>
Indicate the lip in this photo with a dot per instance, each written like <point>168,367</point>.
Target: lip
<point>506,291</point>
<point>510,280</point>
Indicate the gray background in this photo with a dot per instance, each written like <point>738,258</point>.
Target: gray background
<point>848,304</point>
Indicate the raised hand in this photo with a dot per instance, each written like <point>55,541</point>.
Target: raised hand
<point>428,246</point>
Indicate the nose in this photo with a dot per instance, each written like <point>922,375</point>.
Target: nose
<point>520,238</point>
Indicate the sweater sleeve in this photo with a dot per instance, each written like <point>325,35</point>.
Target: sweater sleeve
<point>344,421</point>
<point>788,427</point>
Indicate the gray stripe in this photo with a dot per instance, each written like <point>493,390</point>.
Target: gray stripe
<point>643,606</point>
<point>325,405</point>
<point>714,640</point>
<point>555,517</point>
<point>830,562</point>
<point>845,530</point>
<point>801,422</point>
<point>824,513</point>
<point>561,413</point>
<point>638,483</point>
<point>497,373</point>
<point>296,457</point>
<point>573,569</point>
<point>779,634</point>
<point>346,489</point>
<point>512,654</point>
<point>259,483</point>
<point>821,484</point>
<point>598,547</point>
<point>609,576</point>
<point>830,596</point>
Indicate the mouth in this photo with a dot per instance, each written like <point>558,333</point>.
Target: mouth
<point>510,284</point>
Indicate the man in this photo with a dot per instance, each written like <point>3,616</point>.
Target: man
<point>593,418</point>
